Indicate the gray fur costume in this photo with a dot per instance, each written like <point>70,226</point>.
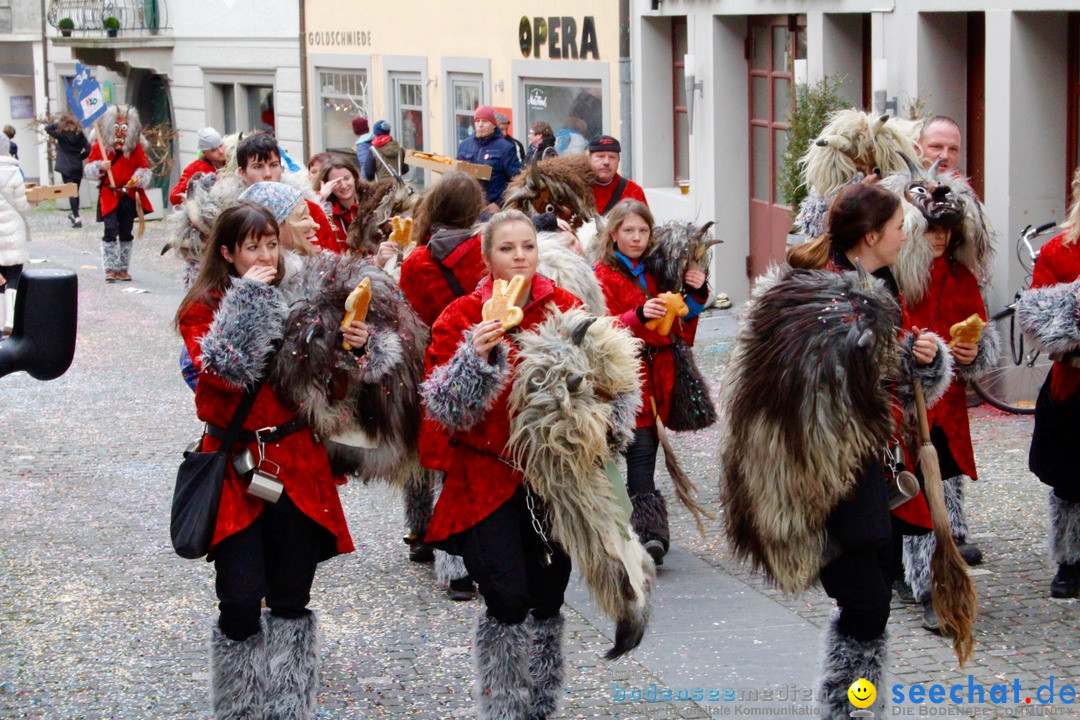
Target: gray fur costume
<point>570,271</point>
<point>845,661</point>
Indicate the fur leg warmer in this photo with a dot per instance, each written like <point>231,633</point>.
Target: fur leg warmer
<point>1064,531</point>
<point>504,685</point>
<point>650,519</point>
<point>124,259</point>
<point>419,501</point>
<point>954,505</point>
<point>847,660</point>
<point>448,567</point>
<point>918,549</point>
<point>546,663</point>
<point>110,256</point>
<point>294,667</point>
<point>248,322</point>
<point>458,393</point>
<point>238,676</point>
<point>1049,316</point>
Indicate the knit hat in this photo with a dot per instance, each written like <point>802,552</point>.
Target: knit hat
<point>605,143</point>
<point>209,139</point>
<point>382,128</point>
<point>5,145</point>
<point>484,112</point>
<point>360,126</point>
<point>278,198</point>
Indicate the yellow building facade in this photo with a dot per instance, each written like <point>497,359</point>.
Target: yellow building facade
<point>425,65</point>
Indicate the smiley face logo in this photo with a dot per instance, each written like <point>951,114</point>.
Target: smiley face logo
<point>862,693</point>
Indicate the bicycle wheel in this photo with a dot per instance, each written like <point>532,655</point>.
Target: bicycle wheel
<point>1013,386</point>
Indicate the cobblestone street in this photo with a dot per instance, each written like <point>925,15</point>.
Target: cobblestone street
<point>101,619</point>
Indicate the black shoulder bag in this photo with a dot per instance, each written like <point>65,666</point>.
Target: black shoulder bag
<point>198,487</point>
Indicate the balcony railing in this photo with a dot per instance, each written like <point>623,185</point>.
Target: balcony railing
<point>88,18</point>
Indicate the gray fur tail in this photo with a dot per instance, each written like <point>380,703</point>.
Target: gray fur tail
<point>650,518</point>
<point>238,676</point>
<point>294,667</point>
<point>504,686</point>
<point>918,550</point>
<point>847,660</point>
<point>1064,530</point>
<point>547,665</point>
<point>954,505</point>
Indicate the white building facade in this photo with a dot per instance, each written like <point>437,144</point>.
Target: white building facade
<point>1007,72</point>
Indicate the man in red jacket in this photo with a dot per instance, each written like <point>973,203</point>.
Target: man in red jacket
<point>610,187</point>
<point>211,158</point>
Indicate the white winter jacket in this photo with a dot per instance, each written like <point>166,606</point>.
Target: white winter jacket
<point>14,231</point>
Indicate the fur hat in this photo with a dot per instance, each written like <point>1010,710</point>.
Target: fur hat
<point>382,128</point>
<point>209,139</point>
<point>484,112</point>
<point>360,126</point>
<point>278,198</point>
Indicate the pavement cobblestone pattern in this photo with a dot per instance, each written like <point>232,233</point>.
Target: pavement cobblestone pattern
<point>101,620</point>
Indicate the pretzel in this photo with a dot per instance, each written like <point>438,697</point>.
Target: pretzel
<point>356,307</point>
<point>676,307</point>
<point>503,303</point>
<point>969,331</point>
<point>402,232</point>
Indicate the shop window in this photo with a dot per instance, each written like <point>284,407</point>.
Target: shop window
<point>260,107</point>
<point>466,92</point>
<point>343,96</point>
<point>408,124</point>
<point>574,109</point>
<point>239,103</point>
<point>680,118</point>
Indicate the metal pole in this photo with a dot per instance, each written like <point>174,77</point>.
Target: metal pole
<point>626,86</point>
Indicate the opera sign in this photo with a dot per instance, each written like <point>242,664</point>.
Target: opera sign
<point>560,34</point>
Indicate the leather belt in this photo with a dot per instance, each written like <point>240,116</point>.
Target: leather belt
<point>262,435</point>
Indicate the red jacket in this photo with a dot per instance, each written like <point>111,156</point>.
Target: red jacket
<point>424,284</point>
<point>1059,263</point>
<point>604,193</point>
<point>304,467</point>
<point>623,297</point>
<point>341,219</point>
<point>123,169</point>
<point>324,235</point>
<point>479,477</point>
<point>176,195</point>
<point>953,296</point>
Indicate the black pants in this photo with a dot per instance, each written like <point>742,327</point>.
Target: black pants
<point>120,221</point>
<point>502,554</point>
<point>641,461</point>
<point>860,581</point>
<point>77,179</point>
<point>11,275</point>
<point>275,558</point>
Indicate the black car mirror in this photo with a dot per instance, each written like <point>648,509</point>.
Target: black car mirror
<point>42,340</point>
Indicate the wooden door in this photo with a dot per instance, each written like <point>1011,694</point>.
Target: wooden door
<point>774,43</point>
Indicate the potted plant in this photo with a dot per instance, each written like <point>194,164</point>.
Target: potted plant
<point>112,26</point>
<point>66,25</point>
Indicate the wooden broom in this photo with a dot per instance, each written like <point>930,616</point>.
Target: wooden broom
<point>952,591</point>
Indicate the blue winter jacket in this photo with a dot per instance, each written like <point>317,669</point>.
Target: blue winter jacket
<point>498,152</point>
<point>363,147</point>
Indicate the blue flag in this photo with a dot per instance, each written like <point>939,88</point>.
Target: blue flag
<point>85,98</point>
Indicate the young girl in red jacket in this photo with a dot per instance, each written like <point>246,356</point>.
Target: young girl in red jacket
<point>485,512</point>
<point>231,319</point>
<point>445,265</point>
<point>1050,313</point>
<point>630,291</point>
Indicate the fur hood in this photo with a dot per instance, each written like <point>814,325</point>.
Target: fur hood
<point>974,237</point>
<point>801,416</point>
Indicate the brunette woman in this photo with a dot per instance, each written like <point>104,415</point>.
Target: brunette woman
<point>339,184</point>
<point>485,513</point>
<point>630,289</point>
<point>72,148</point>
<point>262,663</point>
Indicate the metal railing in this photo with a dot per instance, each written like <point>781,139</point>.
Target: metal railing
<point>89,18</point>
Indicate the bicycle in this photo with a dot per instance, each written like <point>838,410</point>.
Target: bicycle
<point>1013,386</point>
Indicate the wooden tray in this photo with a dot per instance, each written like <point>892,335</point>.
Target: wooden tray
<point>38,193</point>
<point>480,172</point>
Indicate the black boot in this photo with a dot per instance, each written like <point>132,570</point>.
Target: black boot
<point>419,501</point>
<point>1066,584</point>
<point>650,521</point>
